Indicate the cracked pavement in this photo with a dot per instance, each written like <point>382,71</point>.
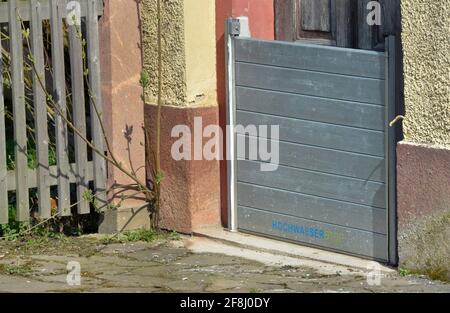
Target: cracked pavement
<point>169,266</point>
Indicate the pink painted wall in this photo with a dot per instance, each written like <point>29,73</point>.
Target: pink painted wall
<point>260,14</point>
<point>261,18</point>
<point>121,65</point>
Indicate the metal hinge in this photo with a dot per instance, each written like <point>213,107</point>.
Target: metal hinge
<point>234,27</point>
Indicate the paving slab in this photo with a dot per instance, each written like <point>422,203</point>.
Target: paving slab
<point>193,264</point>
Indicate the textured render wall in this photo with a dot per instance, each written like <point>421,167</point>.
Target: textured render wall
<point>423,159</point>
<point>173,50</point>
<point>426,45</point>
<point>189,52</point>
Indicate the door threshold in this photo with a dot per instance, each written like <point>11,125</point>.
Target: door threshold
<point>277,247</point>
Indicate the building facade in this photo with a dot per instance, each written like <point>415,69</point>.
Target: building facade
<point>194,193</point>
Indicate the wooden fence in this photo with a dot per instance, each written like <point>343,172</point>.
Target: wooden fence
<point>18,16</point>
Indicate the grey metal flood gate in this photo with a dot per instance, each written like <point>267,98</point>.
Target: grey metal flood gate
<point>335,183</point>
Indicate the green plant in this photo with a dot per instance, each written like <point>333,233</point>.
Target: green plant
<point>56,227</point>
<point>438,273</point>
<point>404,272</point>
<point>145,79</point>
<point>434,272</point>
<point>13,230</point>
<point>24,269</point>
<point>140,235</point>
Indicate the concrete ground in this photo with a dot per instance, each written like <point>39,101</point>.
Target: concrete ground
<point>190,264</point>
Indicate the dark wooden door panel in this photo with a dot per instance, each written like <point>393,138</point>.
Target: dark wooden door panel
<point>342,23</point>
<point>345,20</point>
<point>315,15</point>
<point>313,21</point>
<point>285,28</point>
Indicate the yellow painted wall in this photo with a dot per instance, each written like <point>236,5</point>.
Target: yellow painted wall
<point>189,52</point>
<point>199,16</point>
<point>426,46</point>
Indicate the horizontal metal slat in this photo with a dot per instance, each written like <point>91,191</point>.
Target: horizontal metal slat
<point>314,183</point>
<point>309,83</point>
<point>311,57</point>
<point>319,134</point>
<point>338,238</point>
<point>327,160</point>
<point>311,108</point>
<point>311,207</point>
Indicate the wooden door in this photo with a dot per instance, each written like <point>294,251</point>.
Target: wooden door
<point>341,23</point>
<point>324,22</point>
<point>314,21</point>
<point>328,22</point>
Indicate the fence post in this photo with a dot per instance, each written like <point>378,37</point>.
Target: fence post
<point>123,107</point>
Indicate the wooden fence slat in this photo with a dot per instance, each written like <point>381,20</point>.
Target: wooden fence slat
<point>19,112</point>
<point>40,110</point>
<point>3,160</point>
<point>79,114</point>
<point>53,176</point>
<point>94,82</point>
<point>45,176</point>
<point>59,96</point>
<point>45,10</point>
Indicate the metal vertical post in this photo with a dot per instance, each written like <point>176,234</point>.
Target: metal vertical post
<point>391,143</point>
<point>232,29</point>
